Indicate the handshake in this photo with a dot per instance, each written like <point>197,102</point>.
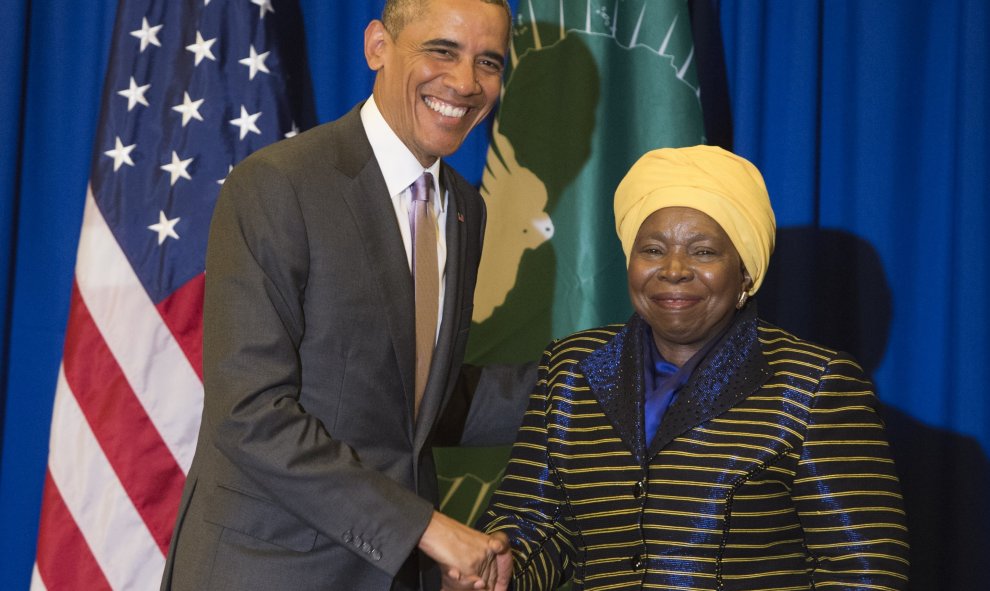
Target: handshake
<point>468,558</point>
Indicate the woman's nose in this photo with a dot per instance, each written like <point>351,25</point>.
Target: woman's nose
<point>673,267</point>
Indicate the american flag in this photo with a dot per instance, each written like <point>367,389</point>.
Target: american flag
<point>192,87</point>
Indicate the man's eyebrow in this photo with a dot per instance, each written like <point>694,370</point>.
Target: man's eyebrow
<point>442,42</point>
<point>495,57</point>
<point>451,44</point>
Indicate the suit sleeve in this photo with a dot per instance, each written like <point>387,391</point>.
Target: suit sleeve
<point>846,490</point>
<point>257,270</point>
<point>529,505</point>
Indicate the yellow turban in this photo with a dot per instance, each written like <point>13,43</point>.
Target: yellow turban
<point>707,178</point>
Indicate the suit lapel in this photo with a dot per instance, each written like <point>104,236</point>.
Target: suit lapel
<point>369,202</point>
<point>734,369</point>
<point>453,292</point>
<point>615,376</point>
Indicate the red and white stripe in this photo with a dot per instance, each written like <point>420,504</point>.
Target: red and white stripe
<point>124,426</point>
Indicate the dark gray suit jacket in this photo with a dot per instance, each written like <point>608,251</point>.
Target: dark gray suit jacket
<point>310,472</point>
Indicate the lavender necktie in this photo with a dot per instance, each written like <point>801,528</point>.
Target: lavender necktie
<point>425,277</point>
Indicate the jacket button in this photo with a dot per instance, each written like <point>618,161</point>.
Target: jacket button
<point>636,562</point>
<point>638,489</point>
<point>376,554</point>
<point>366,547</point>
<point>347,537</point>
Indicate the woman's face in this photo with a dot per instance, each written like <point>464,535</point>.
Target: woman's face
<point>685,278</point>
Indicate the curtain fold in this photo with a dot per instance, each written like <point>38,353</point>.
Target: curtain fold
<point>12,70</point>
<point>869,121</point>
<point>50,97</point>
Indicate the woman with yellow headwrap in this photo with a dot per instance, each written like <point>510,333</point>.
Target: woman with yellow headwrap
<point>697,446</point>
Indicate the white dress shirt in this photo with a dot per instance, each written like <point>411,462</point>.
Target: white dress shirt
<point>400,169</point>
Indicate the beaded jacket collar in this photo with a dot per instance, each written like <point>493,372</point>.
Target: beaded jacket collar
<point>732,370</point>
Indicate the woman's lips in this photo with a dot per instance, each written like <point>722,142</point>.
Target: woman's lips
<point>675,301</point>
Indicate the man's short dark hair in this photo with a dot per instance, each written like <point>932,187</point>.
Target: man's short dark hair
<point>398,13</point>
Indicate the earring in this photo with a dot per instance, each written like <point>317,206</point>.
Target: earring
<point>742,300</point>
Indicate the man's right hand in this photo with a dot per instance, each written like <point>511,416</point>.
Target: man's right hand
<point>466,556</point>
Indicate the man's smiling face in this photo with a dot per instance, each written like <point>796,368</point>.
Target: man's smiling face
<point>440,74</point>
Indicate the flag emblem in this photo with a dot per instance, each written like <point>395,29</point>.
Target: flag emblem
<point>590,87</point>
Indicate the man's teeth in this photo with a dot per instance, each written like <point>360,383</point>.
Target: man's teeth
<point>445,109</point>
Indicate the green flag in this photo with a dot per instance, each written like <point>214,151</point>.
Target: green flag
<point>590,87</point>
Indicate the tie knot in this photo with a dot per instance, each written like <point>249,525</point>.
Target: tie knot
<point>420,188</point>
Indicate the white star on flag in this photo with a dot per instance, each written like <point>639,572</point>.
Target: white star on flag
<point>121,154</point>
<point>229,168</point>
<point>177,168</point>
<point>165,227</point>
<point>147,34</point>
<point>265,5</point>
<point>189,109</point>
<point>256,62</point>
<point>292,132</point>
<point>201,48</point>
<point>135,94</point>
<point>246,122</point>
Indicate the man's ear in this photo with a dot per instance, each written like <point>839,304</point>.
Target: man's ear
<point>376,39</point>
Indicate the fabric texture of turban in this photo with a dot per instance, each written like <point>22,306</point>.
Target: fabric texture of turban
<point>726,187</point>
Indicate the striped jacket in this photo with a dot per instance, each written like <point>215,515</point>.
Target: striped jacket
<point>770,470</point>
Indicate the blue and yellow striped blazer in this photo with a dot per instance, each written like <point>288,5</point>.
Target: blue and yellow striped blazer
<point>770,470</point>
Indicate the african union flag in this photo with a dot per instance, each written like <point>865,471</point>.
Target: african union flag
<point>590,87</point>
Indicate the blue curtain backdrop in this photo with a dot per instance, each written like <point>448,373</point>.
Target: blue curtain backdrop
<point>868,119</point>
<point>870,123</point>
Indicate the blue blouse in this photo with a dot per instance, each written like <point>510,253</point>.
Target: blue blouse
<point>662,380</point>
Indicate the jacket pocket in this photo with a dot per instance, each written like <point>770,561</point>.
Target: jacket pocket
<point>258,518</point>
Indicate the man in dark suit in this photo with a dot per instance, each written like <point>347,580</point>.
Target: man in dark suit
<point>313,468</point>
